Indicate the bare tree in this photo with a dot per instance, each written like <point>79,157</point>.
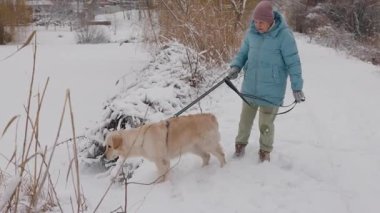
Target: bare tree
<point>238,7</point>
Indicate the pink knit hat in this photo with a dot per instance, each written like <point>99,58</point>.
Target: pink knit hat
<point>263,12</point>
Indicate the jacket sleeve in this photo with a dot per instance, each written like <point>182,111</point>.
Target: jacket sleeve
<point>292,61</point>
<point>241,57</point>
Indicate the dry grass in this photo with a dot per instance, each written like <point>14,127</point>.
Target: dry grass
<point>35,191</point>
<point>213,27</point>
<point>2,178</point>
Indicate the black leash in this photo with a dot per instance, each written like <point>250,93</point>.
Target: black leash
<point>232,86</point>
<point>199,98</point>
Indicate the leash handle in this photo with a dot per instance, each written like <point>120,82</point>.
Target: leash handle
<point>232,86</point>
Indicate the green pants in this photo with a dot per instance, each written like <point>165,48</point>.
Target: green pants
<point>266,125</point>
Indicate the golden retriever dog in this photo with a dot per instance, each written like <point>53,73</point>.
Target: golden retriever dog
<point>159,142</point>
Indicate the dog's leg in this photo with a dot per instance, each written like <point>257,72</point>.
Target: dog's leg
<point>163,166</point>
<point>204,155</point>
<point>215,148</point>
<point>112,172</point>
<point>117,169</point>
<point>219,154</point>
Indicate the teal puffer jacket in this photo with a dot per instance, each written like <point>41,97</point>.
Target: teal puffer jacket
<point>267,60</point>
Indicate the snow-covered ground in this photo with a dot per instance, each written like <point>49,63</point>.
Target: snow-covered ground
<point>326,150</point>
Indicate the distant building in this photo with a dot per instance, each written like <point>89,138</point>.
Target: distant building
<point>40,8</point>
<point>40,5</point>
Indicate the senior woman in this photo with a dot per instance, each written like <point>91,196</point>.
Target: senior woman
<point>268,56</point>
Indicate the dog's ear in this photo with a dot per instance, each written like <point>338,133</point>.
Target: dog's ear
<point>117,140</point>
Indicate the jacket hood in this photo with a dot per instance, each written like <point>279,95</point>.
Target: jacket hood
<point>279,25</point>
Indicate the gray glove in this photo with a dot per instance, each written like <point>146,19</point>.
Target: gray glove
<point>298,96</point>
<point>233,73</point>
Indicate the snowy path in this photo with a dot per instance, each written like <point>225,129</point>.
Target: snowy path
<point>326,150</point>
<point>325,157</point>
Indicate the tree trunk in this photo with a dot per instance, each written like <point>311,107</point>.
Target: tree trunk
<point>2,35</point>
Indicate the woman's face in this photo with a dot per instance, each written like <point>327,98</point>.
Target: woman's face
<point>262,26</point>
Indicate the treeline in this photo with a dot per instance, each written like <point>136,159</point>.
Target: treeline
<point>350,25</point>
<point>13,13</point>
<point>215,27</point>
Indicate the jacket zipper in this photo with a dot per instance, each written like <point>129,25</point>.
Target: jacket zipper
<point>258,65</point>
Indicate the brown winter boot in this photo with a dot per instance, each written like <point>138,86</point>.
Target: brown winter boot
<point>264,156</point>
<point>239,150</point>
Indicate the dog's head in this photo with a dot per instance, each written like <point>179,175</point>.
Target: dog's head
<point>114,142</point>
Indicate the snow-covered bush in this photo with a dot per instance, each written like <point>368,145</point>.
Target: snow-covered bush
<point>351,26</point>
<point>91,35</point>
<point>8,186</point>
<point>333,37</point>
<point>175,77</point>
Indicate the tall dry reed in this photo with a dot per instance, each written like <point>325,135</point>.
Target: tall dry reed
<point>34,190</point>
<point>212,27</point>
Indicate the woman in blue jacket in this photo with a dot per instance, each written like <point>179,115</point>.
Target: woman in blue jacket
<point>268,55</point>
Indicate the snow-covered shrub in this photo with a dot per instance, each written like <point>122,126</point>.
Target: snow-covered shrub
<point>91,35</point>
<point>46,201</point>
<point>351,26</point>
<point>333,37</point>
<point>340,39</point>
<point>164,87</point>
